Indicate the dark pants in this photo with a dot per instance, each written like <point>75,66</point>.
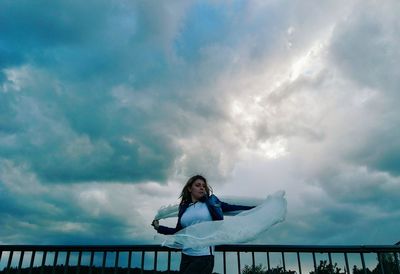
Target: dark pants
<point>196,264</point>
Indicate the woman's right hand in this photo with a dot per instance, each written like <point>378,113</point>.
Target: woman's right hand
<point>155,224</point>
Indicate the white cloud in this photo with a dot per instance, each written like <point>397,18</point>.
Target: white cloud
<point>18,179</point>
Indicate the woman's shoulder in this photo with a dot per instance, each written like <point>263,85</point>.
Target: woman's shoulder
<point>213,199</point>
<point>183,205</point>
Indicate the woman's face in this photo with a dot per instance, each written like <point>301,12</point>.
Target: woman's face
<point>197,190</point>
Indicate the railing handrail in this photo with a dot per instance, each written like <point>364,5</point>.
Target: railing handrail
<point>310,248</point>
<point>221,248</point>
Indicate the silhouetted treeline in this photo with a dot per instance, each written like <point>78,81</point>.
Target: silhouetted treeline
<point>387,265</point>
<point>260,269</point>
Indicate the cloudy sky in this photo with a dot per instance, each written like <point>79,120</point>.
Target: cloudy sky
<point>107,107</point>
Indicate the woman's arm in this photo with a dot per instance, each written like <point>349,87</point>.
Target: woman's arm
<point>228,207</point>
<point>225,207</point>
<point>164,229</point>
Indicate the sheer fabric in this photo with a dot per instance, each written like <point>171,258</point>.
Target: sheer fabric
<point>243,227</point>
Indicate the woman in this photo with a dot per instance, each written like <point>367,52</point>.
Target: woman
<point>197,205</point>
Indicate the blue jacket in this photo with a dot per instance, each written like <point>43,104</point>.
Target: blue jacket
<point>214,205</point>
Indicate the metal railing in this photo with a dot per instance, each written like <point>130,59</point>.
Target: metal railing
<point>131,259</point>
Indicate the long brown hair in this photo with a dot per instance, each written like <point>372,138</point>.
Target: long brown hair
<point>185,194</point>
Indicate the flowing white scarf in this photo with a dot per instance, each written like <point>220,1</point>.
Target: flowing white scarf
<point>243,227</point>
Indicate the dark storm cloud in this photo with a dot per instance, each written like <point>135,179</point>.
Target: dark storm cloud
<point>365,49</point>
<point>64,121</point>
<point>32,213</point>
<point>364,46</point>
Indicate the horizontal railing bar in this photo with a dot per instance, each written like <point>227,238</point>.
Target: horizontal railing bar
<point>309,248</point>
<point>85,248</point>
<point>221,248</point>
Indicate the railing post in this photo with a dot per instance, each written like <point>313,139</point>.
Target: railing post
<point>129,261</point>
<point>238,258</point>
<point>363,262</point>
<point>315,263</point>
<point>78,267</point>
<point>103,265</point>
<point>253,261</point>
<point>67,262</point>
<point>142,266</point>
<point>330,262</point>
<point>32,261</point>
<point>116,262</point>
<point>224,261</point>
<point>346,259</point>
<point>53,271</point>
<point>10,255</point>
<point>155,261</point>
<point>283,261</point>
<point>91,262</point>
<point>21,259</point>
<point>169,262</point>
<point>381,262</point>
<point>43,262</point>
<point>299,262</point>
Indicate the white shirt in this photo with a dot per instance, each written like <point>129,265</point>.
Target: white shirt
<point>194,214</point>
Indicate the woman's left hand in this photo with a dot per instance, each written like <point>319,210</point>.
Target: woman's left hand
<point>155,224</point>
